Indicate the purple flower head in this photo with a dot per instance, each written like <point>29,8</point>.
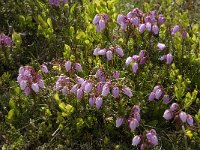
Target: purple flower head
<point>135,21</point>
<point>158,94</point>
<point>102,52</point>
<point>169,58</point>
<point>23,84</point>
<point>88,87</point>
<point>135,67</point>
<point>142,28</point>
<point>190,120</point>
<point>152,96</point>
<point>161,46</point>
<point>27,91</point>
<point>166,99</point>
<point>129,60</point>
<point>175,29</point>
<point>119,121</point>
<point>79,80</point>
<point>105,90</point>
<point>142,53</point>
<point>183,116</point>
<point>92,100</point>
<point>133,124</point>
<point>129,15</point>
<point>143,60</point>
<point>44,68</point>
<point>74,88</point>
<point>68,65</point>
<point>163,58</point>
<point>174,107</point>
<point>116,74</point>
<point>99,73</point>
<point>156,88</point>
<point>64,90</point>
<point>148,26</point>
<point>136,140</point>
<point>115,92</point>
<point>136,109</point>
<point>54,2</point>
<point>119,51</point>
<point>102,24</point>
<point>168,114</point>
<point>35,87</point>
<point>98,102</point>
<point>155,29</point>
<point>41,84</point>
<point>122,21</point>
<point>109,55</point>
<point>152,138</point>
<point>78,67</point>
<point>99,87</point>
<point>135,58</point>
<point>137,116</point>
<point>127,91</point>
<point>96,19</point>
<point>96,50</point>
<point>79,94</point>
<point>161,19</point>
<point>184,34</point>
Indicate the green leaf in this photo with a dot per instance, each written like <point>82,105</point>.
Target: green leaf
<point>11,114</point>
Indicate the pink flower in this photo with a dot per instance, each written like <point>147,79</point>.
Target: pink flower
<point>79,94</point>
<point>41,84</point>
<point>169,58</point>
<point>106,90</point>
<point>27,91</point>
<point>152,96</point>
<point>174,107</point>
<point>129,60</point>
<point>148,26</point>
<point>96,50</point>
<point>88,87</point>
<point>96,19</point>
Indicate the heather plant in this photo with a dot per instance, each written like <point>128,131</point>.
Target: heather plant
<point>99,75</point>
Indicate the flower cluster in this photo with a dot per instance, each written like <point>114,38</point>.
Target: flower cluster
<point>174,112</point>
<point>100,21</point>
<point>29,80</point>
<point>137,60</point>
<point>134,118</point>
<point>157,93</point>
<point>109,52</point>
<point>149,139</point>
<point>57,2</point>
<point>69,66</point>
<point>5,40</point>
<point>142,21</point>
<point>62,84</point>
<point>176,29</point>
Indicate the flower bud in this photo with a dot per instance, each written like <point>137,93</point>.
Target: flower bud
<point>167,114</point>
<point>169,58</point>
<point>135,67</point>
<point>155,29</point>
<point>119,122</point>
<point>41,84</point>
<point>190,120</point>
<point>129,60</point>
<point>23,84</point>
<point>44,68</point>
<point>109,55</point>
<point>79,94</point>
<point>136,140</point>
<point>78,67</point>
<point>98,102</point>
<point>127,91</point>
<point>142,28</point>
<point>174,107</point>
<point>88,87</point>
<point>92,100</point>
<point>183,116</point>
<point>115,92</point>
<point>133,124</point>
<point>119,51</point>
<point>161,46</point>
<point>35,87</point>
<point>96,19</point>
<point>68,65</point>
<point>152,96</point>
